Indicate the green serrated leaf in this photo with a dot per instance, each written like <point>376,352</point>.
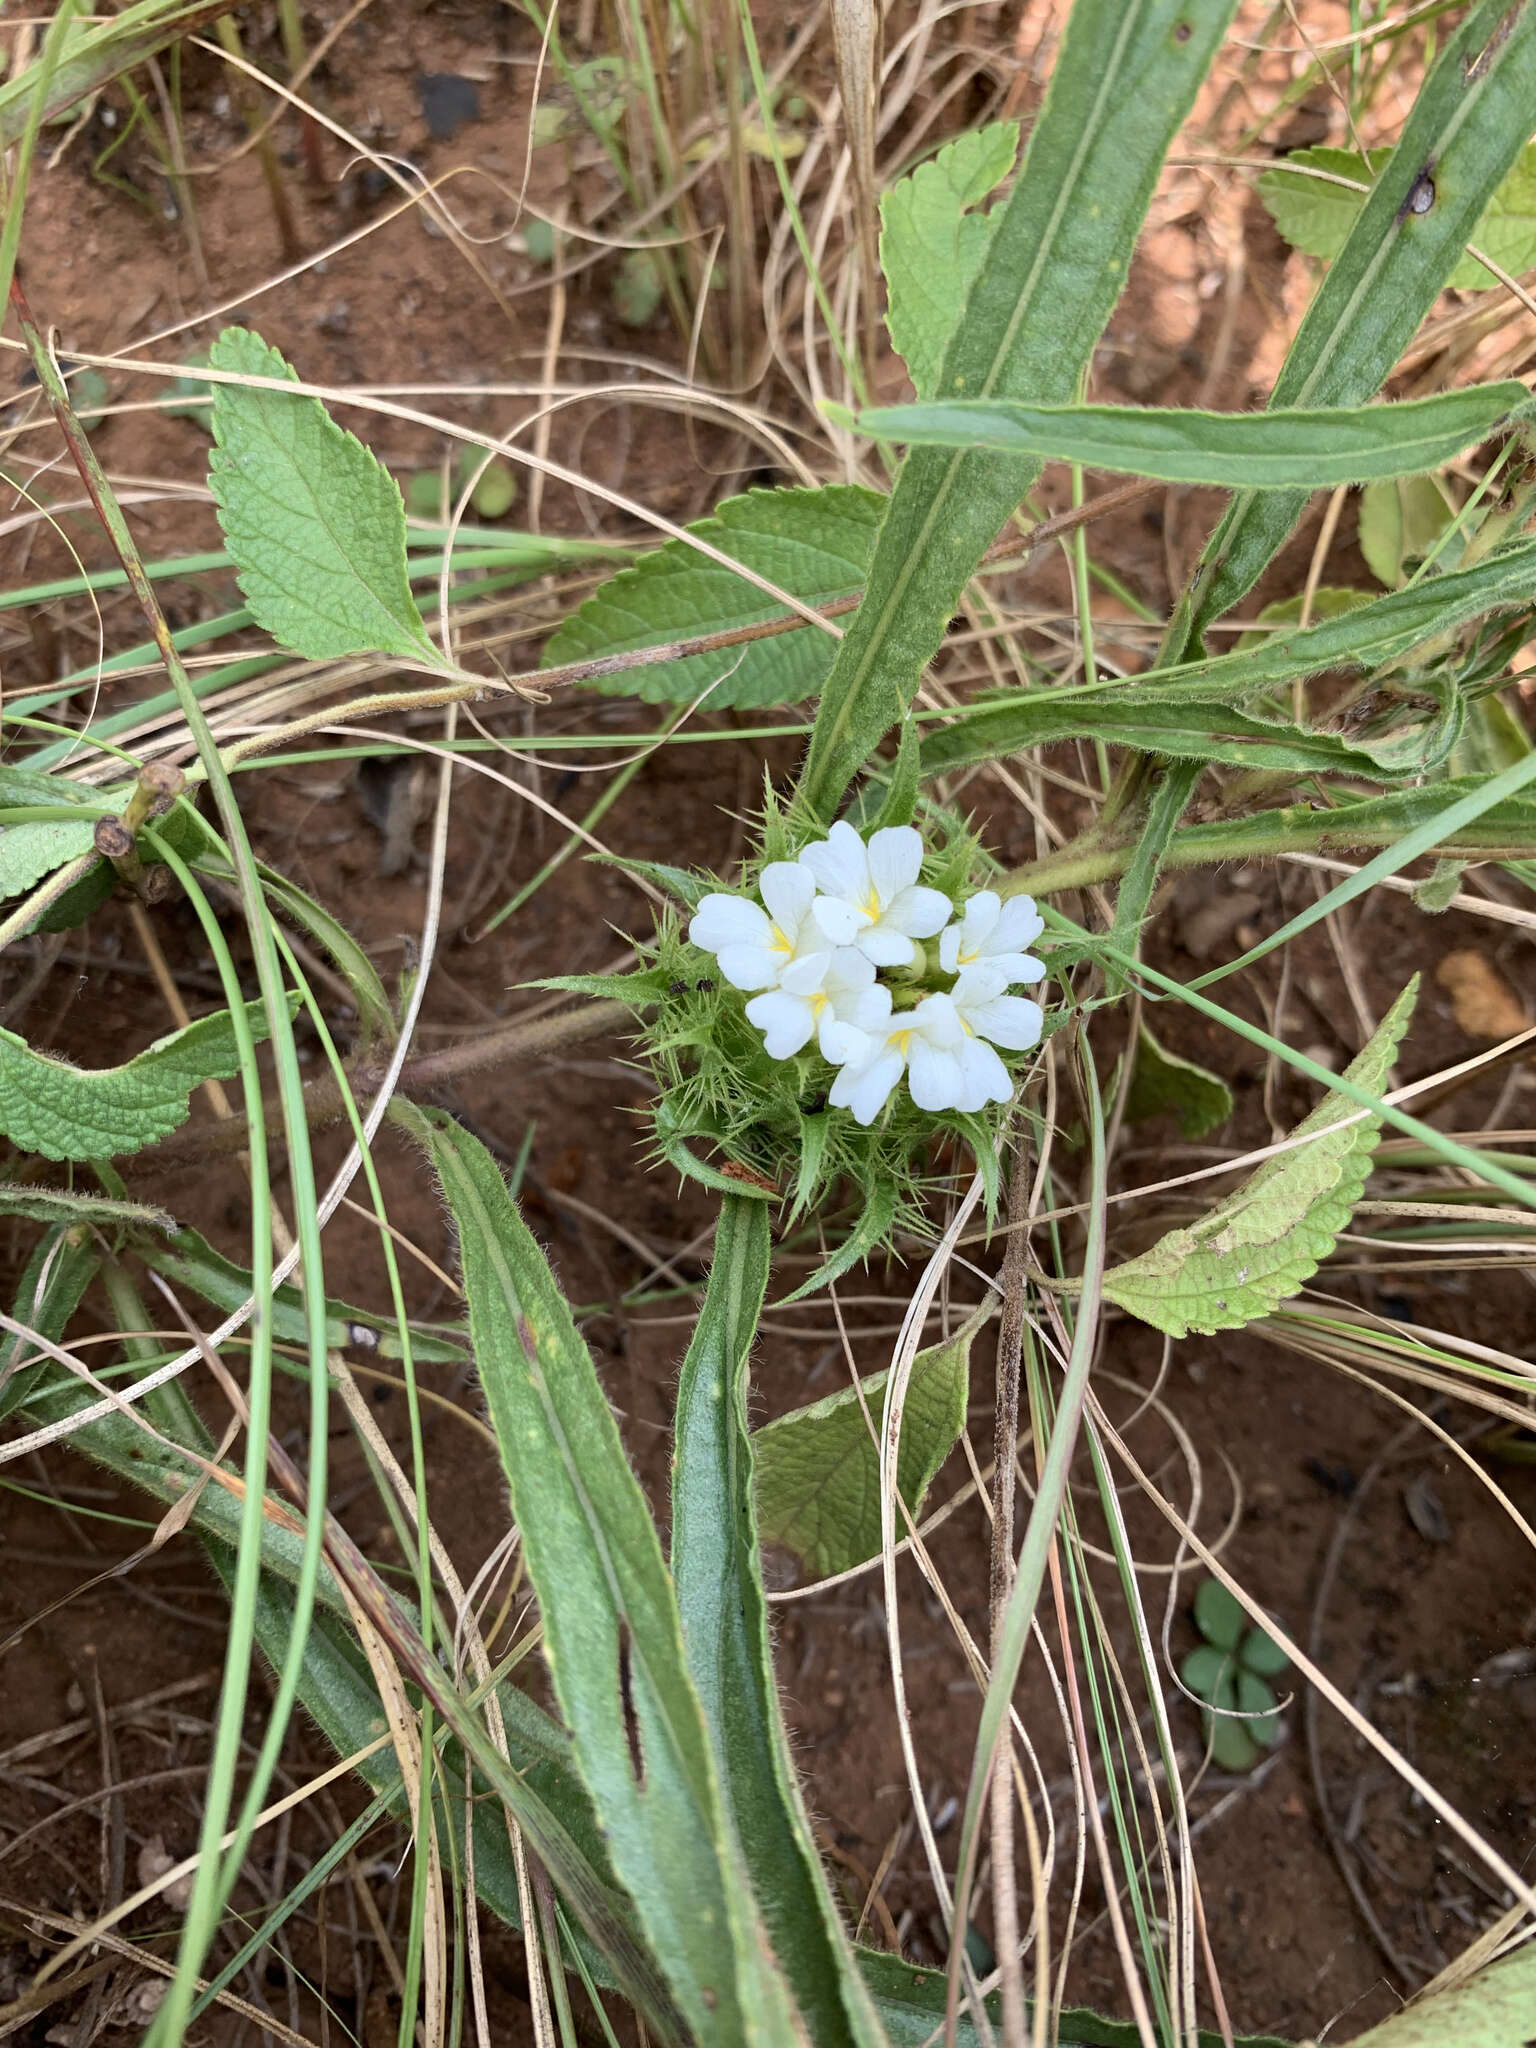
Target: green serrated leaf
<point>813,543</point>
<point>932,244</point>
<point>67,1112</point>
<point>1401,518</point>
<point>1316,215</point>
<point>1163,1084</point>
<point>1263,1243</point>
<point>1282,449</point>
<point>314,522</point>
<point>818,1468</point>
<point>1219,1616</point>
<point>1490,2009</point>
<point>30,851</point>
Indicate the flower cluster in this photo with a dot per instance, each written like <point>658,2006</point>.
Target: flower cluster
<point>811,953</point>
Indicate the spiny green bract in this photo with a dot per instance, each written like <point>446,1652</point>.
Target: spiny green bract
<point>768,1120</point>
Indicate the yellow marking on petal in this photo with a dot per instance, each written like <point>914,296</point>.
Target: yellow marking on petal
<point>871,905</point>
<point>777,943</point>
<point>900,1040</point>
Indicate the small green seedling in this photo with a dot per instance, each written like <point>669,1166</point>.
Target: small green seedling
<point>1231,1671</point>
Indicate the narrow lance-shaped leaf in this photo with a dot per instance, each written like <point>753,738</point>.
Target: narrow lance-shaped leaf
<point>818,1468</point>
<point>1283,449</point>
<point>612,1636</point>
<point>67,1112</point>
<point>1469,123</point>
<point>1126,75</point>
<point>1194,729</point>
<point>1262,1244</point>
<point>314,522</point>
<point>718,1573</point>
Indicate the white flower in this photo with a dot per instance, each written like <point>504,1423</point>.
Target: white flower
<point>985,1012</point>
<point>826,995</point>
<point>942,1047</point>
<point>921,1043</point>
<point>754,946</point>
<point>871,899</point>
<point>995,933</point>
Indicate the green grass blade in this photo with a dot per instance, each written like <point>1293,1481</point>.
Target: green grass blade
<point>718,1573</point>
<point>1287,448</point>
<point>1468,124</point>
<point>1125,77</point>
<point>612,1633</point>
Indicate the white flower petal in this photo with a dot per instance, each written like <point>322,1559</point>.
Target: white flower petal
<point>984,1077</point>
<point>937,1019</point>
<point>1011,1021</point>
<point>841,1043</point>
<point>837,921</point>
<point>877,942</point>
<point>933,1075</point>
<point>865,1090</point>
<point>749,966</point>
<point>806,975</point>
<point>787,889</point>
<point>728,921</point>
<point>839,863</point>
<point>1016,967</point>
<point>979,983</point>
<point>949,948</point>
<point>1019,925</point>
<point>981,914</point>
<point>895,859</point>
<point>849,973</point>
<point>785,1021</point>
<point>918,912</point>
<point>870,1010</point>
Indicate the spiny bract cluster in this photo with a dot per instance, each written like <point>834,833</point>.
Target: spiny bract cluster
<point>846,911</point>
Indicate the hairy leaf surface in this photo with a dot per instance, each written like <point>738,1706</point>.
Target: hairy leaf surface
<point>818,1468</point>
<point>932,244</point>
<point>815,544</point>
<point>1262,1244</point>
<point>314,522</point>
<point>1283,449</point>
<point>67,1112</point>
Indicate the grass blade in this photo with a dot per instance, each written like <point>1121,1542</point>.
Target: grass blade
<point>1125,77</point>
